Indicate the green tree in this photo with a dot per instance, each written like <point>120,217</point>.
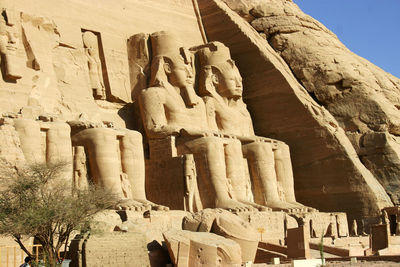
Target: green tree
<point>40,201</point>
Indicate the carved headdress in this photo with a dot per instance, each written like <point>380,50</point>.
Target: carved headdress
<point>166,46</point>
<point>212,55</point>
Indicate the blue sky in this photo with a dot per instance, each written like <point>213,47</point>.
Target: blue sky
<point>369,28</point>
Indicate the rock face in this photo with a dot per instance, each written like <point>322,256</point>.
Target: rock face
<point>363,98</point>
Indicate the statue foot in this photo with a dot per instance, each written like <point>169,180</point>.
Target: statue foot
<point>234,206</point>
<point>130,204</point>
<point>282,206</point>
<point>152,205</point>
<point>303,208</point>
<point>257,206</point>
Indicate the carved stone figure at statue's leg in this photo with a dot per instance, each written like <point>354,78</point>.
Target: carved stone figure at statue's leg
<point>79,167</point>
<point>262,167</point>
<point>212,150</point>
<point>192,199</point>
<point>236,173</point>
<point>132,160</point>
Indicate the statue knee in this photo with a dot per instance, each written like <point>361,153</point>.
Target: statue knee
<point>259,150</point>
<point>212,144</point>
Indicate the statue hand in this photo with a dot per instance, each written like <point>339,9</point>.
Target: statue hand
<point>191,132</point>
<point>247,139</point>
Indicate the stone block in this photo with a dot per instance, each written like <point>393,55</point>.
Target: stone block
<point>379,237</point>
<point>298,243</point>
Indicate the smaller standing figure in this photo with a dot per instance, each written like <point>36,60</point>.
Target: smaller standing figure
<point>331,230</point>
<point>192,192</point>
<point>385,218</point>
<point>354,230</point>
<point>126,186</point>
<point>95,71</point>
<point>80,170</point>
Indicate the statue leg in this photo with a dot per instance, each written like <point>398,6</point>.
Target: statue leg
<point>212,150</point>
<point>262,167</point>
<point>235,171</point>
<point>104,162</point>
<point>284,173</point>
<point>59,147</point>
<point>132,160</point>
<point>30,138</point>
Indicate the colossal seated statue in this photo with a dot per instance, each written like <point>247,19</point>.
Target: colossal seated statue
<point>116,163</point>
<point>170,107</point>
<point>220,85</point>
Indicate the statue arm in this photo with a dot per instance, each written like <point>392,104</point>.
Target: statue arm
<point>153,114</point>
<point>211,113</point>
<point>250,128</point>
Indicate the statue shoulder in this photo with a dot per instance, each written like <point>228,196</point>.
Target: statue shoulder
<point>208,99</point>
<point>153,93</point>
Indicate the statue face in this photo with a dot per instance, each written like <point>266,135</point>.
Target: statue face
<point>12,40</point>
<point>180,74</point>
<point>229,82</point>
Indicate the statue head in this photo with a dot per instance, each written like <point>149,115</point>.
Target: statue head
<point>171,62</point>
<point>9,40</point>
<point>219,72</point>
<point>90,42</point>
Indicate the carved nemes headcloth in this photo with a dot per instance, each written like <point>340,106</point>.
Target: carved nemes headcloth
<point>214,54</point>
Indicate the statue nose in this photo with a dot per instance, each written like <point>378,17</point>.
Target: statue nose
<point>12,39</point>
<point>189,72</point>
<point>238,83</point>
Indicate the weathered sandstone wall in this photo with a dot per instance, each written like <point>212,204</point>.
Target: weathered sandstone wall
<point>53,65</point>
